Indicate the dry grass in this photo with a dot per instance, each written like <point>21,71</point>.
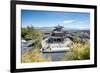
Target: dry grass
<point>33,56</point>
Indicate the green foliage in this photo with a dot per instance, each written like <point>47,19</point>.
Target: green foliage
<point>77,39</point>
<point>24,31</point>
<point>78,52</point>
<point>31,33</point>
<point>33,56</point>
<point>35,34</point>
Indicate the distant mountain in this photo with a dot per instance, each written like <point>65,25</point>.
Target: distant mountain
<point>65,29</point>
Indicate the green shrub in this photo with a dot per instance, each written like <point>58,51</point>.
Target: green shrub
<point>78,52</point>
<point>33,56</point>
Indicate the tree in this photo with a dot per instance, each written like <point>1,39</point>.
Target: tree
<point>33,34</point>
<point>24,31</point>
<point>30,33</point>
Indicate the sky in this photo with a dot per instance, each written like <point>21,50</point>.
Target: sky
<point>71,20</point>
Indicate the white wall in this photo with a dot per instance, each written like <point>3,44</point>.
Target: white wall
<point>5,37</point>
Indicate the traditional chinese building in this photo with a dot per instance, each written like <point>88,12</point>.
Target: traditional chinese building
<point>56,41</point>
<point>57,35</point>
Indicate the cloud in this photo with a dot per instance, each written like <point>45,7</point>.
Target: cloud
<point>68,21</point>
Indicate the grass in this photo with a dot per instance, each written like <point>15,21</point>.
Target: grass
<point>34,56</point>
<point>80,51</point>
